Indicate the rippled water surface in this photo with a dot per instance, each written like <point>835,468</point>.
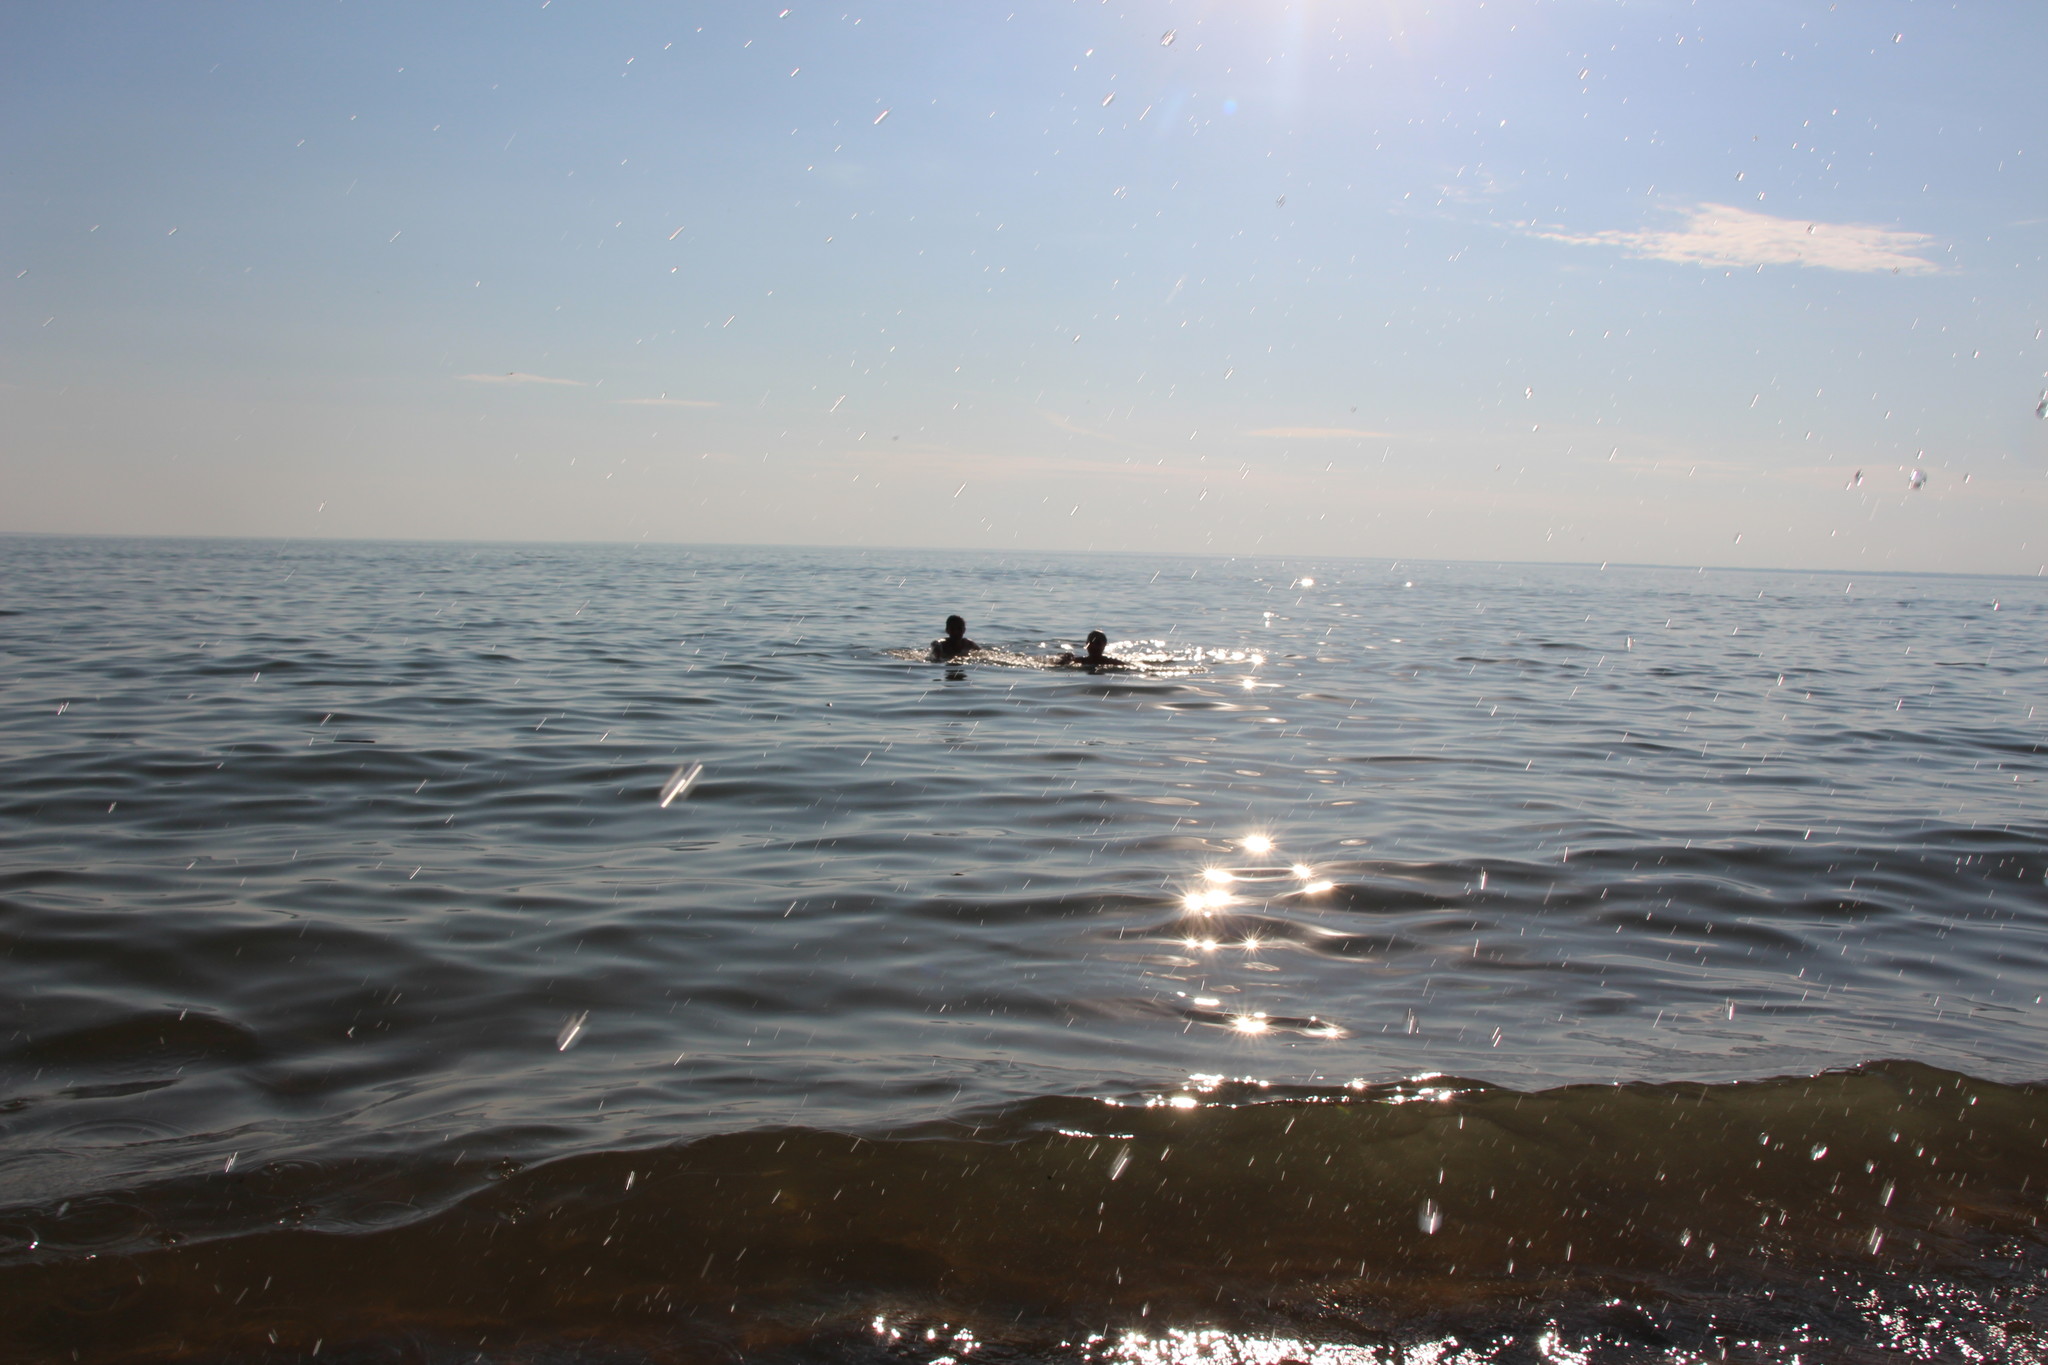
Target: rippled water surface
<point>345,948</point>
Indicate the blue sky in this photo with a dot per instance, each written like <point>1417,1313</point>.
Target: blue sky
<point>1573,280</point>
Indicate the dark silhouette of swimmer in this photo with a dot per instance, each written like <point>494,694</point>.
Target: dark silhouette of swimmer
<point>956,642</point>
<point>1094,658</point>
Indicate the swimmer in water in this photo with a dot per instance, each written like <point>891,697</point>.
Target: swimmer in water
<point>956,642</point>
<point>1094,659</point>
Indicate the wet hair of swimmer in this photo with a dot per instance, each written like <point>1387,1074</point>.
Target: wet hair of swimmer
<point>956,626</point>
<point>1097,642</point>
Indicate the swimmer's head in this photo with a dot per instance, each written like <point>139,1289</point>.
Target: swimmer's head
<point>1097,642</point>
<point>956,626</point>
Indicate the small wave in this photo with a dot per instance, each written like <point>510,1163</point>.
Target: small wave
<point>1844,1199</point>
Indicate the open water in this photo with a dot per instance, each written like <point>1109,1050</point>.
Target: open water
<point>1428,962</point>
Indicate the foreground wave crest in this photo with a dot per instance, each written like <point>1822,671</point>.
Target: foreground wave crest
<point>1884,1206</point>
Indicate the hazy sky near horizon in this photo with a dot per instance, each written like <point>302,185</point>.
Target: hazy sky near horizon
<point>1512,279</point>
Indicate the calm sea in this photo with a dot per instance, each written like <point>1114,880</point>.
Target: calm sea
<point>1411,961</point>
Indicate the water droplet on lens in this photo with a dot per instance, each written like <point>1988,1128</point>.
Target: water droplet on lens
<point>571,1031</point>
<point>680,781</point>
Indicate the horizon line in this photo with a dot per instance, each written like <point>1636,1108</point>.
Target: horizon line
<point>1597,565</point>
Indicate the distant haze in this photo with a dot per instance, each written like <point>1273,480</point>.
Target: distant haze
<point>1568,280</point>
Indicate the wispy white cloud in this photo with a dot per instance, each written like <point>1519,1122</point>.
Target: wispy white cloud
<point>1722,235</point>
<point>1134,440</point>
<point>519,377</point>
<point>1321,433</point>
<point>1068,424</point>
<point>667,402</point>
<point>1009,466</point>
<point>1678,466</point>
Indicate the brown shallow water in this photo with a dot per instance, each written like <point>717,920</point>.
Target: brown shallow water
<point>1865,1209</point>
